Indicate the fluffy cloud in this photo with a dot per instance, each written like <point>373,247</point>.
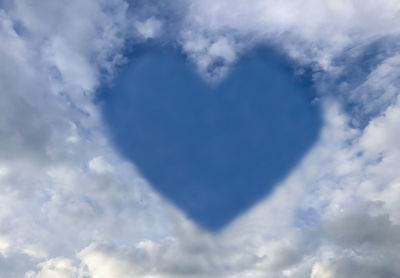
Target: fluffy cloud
<point>309,31</point>
<point>70,206</point>
<point>57,267</point>
<point>55,178</point>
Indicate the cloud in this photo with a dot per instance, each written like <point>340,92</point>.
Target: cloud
<point>51,134</point>
<point>70,206</point>
<point>149,28</point>
<point>99,165</point>
<point>318,35</point>
<point>350,267</point>
<point>57,267</point>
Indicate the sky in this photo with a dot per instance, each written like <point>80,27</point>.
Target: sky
<point>214,150</point>
<point>79,199</point>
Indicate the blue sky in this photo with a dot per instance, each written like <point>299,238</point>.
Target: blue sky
<point>213,149</point>
<point>86,192</point>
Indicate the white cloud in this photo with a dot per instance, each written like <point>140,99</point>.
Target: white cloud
<point>70,206</point>
<point>99,165</point>
<point>324,28</point>
<point>148,29</point>
<point>4,245</point>
<point>55,268</point>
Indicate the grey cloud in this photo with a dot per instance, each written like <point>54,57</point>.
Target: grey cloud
<point>358,229</point>
<point>348,266</point>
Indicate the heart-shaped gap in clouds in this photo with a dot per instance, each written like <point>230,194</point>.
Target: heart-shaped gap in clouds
<point>214,151</point>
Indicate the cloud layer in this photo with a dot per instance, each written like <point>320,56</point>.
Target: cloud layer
<point>70,206</point>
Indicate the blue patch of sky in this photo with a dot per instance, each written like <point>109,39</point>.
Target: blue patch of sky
<point>214,151</point>
<point>307,218</point>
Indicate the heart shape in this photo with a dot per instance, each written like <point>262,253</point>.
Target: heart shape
<point>212,150</point>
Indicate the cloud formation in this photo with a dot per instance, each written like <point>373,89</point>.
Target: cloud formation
<point>70,206</point>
